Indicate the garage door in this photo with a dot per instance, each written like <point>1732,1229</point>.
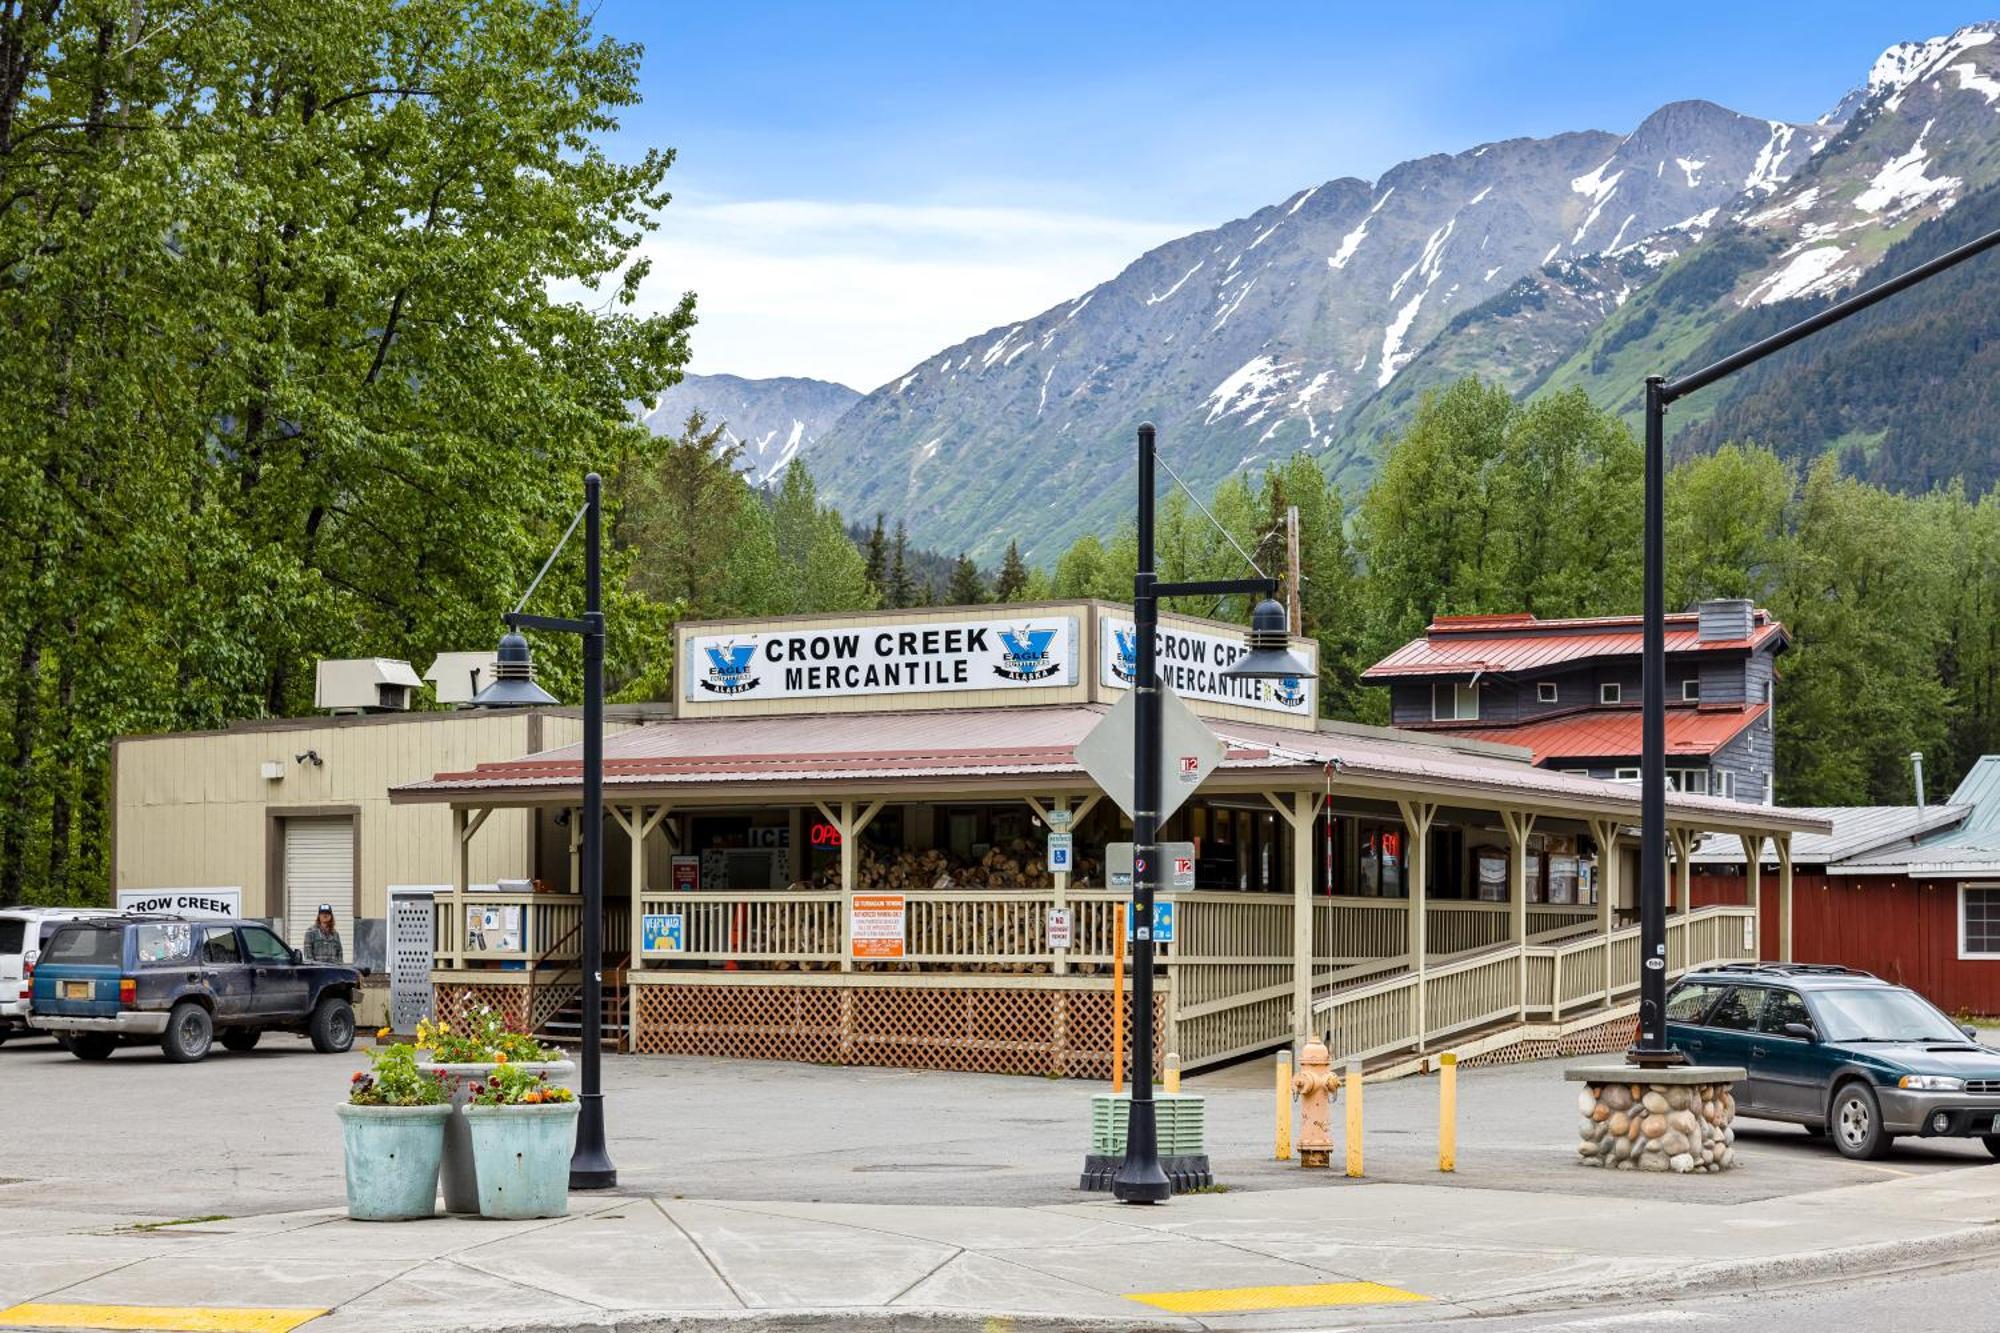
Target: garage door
<point>319,868</point>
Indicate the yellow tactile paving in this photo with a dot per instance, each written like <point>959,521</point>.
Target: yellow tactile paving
<point>167,1318</point>
<point>1242,1300</point>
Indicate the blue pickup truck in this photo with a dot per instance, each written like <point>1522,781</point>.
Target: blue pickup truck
<point>185,984</point>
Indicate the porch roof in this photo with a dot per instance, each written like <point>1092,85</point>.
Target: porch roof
<point>1031,747</point>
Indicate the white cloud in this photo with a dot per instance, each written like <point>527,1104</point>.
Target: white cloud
<point>861,292</point>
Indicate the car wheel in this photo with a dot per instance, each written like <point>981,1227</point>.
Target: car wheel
<point>242,1039</point>
<point>1856,1123</point>
<point>92,1046</point>
<point>189,1032</point>
<point>332,1026</point>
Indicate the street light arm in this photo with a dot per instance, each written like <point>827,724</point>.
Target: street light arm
<point>1833,314</point>
<point>554,624</point>
<point>1216,588</point>
<point>543,572</point>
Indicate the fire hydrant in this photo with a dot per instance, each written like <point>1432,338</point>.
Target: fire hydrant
<point>1316,1086</point>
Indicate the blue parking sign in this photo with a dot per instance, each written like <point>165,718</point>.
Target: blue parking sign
<point>1163,921</point>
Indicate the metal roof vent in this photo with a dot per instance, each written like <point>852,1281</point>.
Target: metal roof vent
<point>364,685</point>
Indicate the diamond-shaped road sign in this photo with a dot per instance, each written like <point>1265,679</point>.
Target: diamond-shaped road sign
<point>1189,751</point>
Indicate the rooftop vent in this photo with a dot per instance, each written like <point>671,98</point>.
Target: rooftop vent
<point>456,677</point>
<point>364,685</point>
<point>1723,620</point>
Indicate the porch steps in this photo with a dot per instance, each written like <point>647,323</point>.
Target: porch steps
<point>1599,1031</point>
<point>565,1025</point>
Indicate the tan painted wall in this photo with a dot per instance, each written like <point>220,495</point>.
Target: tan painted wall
<point>193,811</point>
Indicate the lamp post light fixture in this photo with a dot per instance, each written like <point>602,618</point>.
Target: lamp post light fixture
<point>514,686</point>
<point>1652,1050</point>
<point>1140,1178</point>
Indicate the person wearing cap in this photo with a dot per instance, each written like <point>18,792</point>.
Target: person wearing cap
<point>322,941</point>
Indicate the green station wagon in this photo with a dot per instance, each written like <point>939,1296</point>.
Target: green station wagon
<point>1840,1052</point>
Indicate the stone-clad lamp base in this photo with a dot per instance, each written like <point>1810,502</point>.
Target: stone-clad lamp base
<point>1679,1120</point>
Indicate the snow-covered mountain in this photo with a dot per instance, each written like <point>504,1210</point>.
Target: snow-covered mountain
<point>773,419</point>
<point>1584,259</point>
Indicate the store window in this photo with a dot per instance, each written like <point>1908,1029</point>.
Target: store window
<point>1382,849</point>
<point>1447,865</point>
<point>1979,921</point>
<point>1452,702</point>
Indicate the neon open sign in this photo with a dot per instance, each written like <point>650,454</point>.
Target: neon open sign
<point>824,835</point>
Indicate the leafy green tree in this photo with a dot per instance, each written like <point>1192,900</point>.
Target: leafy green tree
<point>290,369</point>
<point>1725,521</point>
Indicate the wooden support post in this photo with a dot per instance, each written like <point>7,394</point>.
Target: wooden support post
<point>851,826</point>
<point>1784,841</point>
<point>1684,845</point>
<point>1417,817</point>
<point>1299,814</point>
<point>461,880</point>
<point>1609,859</point>
<point>1520,826</point>
<point>1753,888</point>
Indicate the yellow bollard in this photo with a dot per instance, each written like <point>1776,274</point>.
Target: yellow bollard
<point>1354,1119</point>
<point>1448,1111</point>
<point>1172,1076</point>
<point>1282,1145</point>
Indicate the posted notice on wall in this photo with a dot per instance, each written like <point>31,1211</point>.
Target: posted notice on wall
<point>876,928</point>
<point>183,902</point>
<point>1031,653</point>
<point>1191,663</point>
<point>663,932</point>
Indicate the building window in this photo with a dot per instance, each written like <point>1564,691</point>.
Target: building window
<point>1546,692</point>
<point>1610,693</point>
<point>1979,921</point>
<point>1624,775</point>
<point>1692,781</point>
<point>1722,784</point>
<point>1690,690</point>
<point>1454,703</point>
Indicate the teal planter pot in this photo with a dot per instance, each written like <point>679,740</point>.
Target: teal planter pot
<point>521,1155</point>
<point>460,1178</point>
<point>393,1154</point>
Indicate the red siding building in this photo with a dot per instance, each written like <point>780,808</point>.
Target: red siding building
<point>1910,893</point>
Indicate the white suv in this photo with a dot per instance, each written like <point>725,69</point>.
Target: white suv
<point>24,931</point>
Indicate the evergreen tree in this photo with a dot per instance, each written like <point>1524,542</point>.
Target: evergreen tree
<point>967,588</point>
<point>901,588</point>
<point>876,565</point>
<point>680,512</point>
<point>1012,583</point>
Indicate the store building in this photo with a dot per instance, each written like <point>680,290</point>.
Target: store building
<point>838,850</point>
<point>1908,892</point>
<point>1569,691</point>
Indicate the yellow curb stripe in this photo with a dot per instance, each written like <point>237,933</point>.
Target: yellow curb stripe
<point>176,1319</point>
<point>1239,1300</point>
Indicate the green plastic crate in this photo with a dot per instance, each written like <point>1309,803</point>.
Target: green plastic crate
<point>1182,1118</point>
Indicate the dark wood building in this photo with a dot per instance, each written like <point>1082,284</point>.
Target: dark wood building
<point>1569,690</point>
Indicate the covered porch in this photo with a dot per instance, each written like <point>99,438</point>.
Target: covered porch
<point>875,890</point>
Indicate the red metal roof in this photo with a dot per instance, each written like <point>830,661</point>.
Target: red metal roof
<point>1461,645</point>
<point>1608,734</point>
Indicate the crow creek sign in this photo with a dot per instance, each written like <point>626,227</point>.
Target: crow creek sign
<point>1038,651</point>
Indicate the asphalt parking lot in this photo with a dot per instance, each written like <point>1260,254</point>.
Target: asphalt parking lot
<point>137,1139</point>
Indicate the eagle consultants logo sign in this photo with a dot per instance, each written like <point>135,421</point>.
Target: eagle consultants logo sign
<point>729,668</point>
<point>1289,692</point>
<point>1026,655</point>
<point>1124,662</point>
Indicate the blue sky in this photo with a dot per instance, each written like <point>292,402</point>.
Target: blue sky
<point>860,184</point>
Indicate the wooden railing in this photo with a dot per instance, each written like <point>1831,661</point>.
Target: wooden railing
<point>1565,973</point>
<point>526,927</point>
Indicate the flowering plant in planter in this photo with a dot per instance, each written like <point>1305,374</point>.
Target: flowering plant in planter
<point>480,1036</point>
<point>392,1129</point>
<point>393,1079</point>
<point>514,1085</point>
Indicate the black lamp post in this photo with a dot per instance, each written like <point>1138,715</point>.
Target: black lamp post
<point>1140,1178</point>
<point>1652,1050</point>
<point>514,686</point>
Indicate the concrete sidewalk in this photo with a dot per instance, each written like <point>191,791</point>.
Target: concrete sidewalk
<point>637,1262</point>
